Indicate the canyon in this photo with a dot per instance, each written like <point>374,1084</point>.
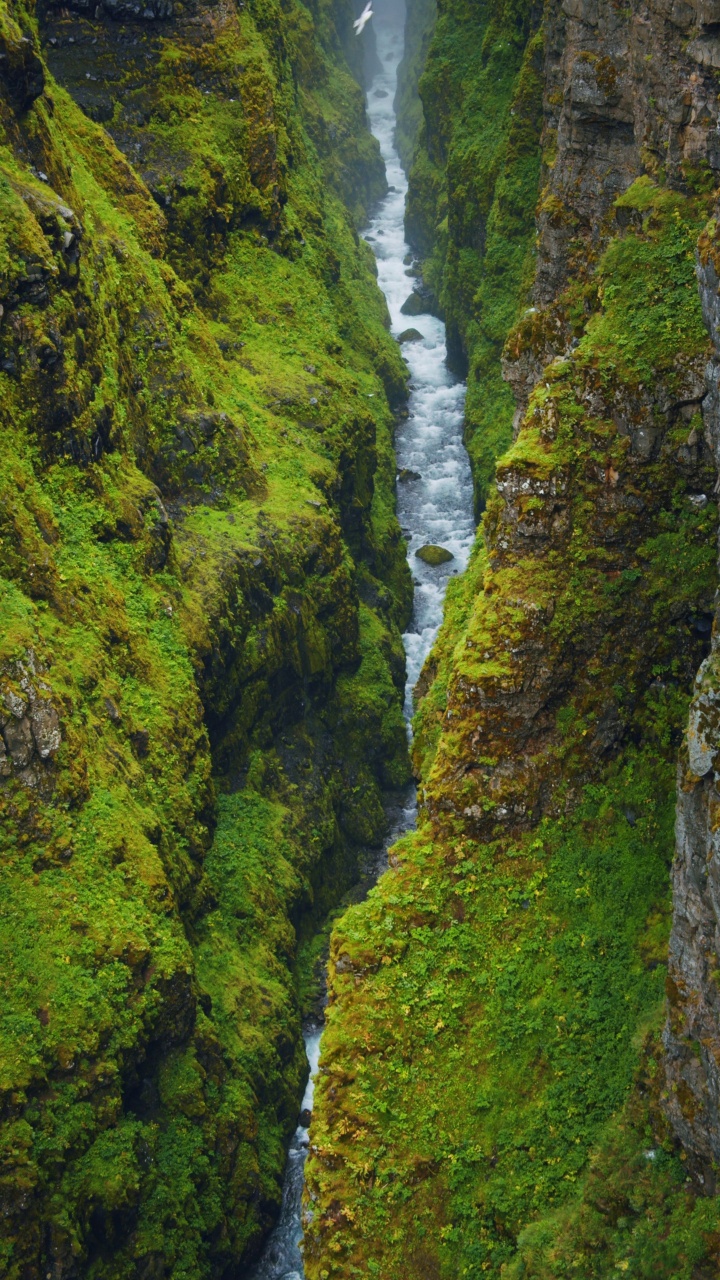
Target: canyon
<point>224,668</point>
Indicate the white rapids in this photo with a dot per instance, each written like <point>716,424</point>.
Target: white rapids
<point>436,507</point>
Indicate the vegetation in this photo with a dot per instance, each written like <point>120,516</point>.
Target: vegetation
<point>202,585</point>
<point>421,16</point>
<point>492,1072</point>
<point>202,591</point>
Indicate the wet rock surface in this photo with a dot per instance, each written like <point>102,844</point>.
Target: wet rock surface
<point>30,732</point>
<point>692,1033</point>
<point>433,555</point>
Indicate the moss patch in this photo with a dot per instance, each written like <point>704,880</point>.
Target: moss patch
<point>202,585</point>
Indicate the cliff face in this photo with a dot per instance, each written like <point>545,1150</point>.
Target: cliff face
<point>202,583</point>
<point>420,20</point>
<point>653,104</point>
<point>692,1034</point>
<point>496,1097</point>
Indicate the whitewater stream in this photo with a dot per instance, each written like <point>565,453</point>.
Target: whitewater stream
<point>434,505</point>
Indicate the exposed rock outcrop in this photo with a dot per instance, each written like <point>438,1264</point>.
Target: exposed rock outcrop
<point>692,1034</point>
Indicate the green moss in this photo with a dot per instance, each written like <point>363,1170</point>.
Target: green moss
<point>650,308</point>
<point>505,984</point>
<point>490,1082</point>
<point>421,18</point>
<point>197,488</point>
<point>637,1213</point>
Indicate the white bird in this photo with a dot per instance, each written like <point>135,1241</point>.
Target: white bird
<point>364,18</point>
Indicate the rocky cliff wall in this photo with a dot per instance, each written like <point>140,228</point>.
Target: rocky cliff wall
<point>202,584</point>
<point>693,1026</point>
<point>496,1097</point>
<point>420,19</point>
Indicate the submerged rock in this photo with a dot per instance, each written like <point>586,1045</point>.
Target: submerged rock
<point>434,555</point>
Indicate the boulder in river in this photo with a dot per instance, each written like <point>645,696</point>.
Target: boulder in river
<point>414,305</point>
<point>406,474</point>
<point>434,555</point>
<point>410,335</point>
<point>305,1118</point>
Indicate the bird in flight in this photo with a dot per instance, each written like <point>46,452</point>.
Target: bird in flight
<point>364,18</point>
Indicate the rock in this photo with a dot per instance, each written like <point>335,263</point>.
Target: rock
<point>703,721</point>
<point>608,731</point>
<point>411,335</point>
<point>381,93</point>
<point>406,474</point>
<point>112,711</point>
<point>13,703</point>
<point>434,555</point>
<point>305,1118</point>
<point>159,534</point>
<point>45,725</point>
<point>22,77</point>
<point>414,305</point>
<point>706,51</point>
<point>140,740</point>
<point>19,741</point>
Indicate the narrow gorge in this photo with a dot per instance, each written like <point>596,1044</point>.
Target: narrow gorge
<point>289,295</point>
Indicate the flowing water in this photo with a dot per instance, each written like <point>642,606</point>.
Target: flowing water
<point>435,505</point>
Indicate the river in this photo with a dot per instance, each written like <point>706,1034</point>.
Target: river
<point>435,505</point>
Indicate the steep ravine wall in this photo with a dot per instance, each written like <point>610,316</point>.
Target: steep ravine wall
<point>692,1033</point>
<point>202,585</point>
<point>500,1094</point>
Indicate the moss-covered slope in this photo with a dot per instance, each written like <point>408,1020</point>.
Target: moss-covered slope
<point>491,997</point>
<point>202,582</point>
<point>420,19</point>
<point>494,1098</point>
